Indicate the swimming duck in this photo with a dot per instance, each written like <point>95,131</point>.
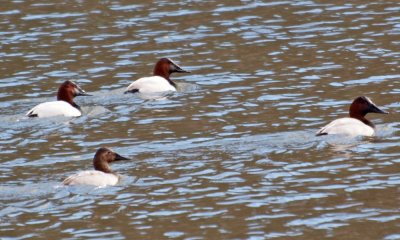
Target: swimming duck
<point>356,124</point>
<point>64,106</point>
<point>160,82</point>
<point>102,175</point>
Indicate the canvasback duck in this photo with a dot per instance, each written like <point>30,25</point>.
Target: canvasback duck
<point>160,82</point>
<point>64,106</point>
<point>356,124</point>
<point>102,175</point>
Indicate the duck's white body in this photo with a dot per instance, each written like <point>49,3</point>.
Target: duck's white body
<point>54,108</point>
<point>152,84</point>
<point>92,177</point>
<point>347,126</point>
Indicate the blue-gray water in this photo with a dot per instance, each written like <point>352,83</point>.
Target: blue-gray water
<point>233,154</point>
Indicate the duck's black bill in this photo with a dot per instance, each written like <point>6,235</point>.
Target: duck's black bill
<point>84,94</point>
<point>176,68</point>
<point>81,92</point>
<point>375,109</point>
<point>180,70</point>
<point>119,157</point>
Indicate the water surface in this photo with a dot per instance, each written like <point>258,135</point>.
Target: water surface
<point>232,155</point>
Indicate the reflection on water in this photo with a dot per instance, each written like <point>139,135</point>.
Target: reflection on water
<point>232,154</point>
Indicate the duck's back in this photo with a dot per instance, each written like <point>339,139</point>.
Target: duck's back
<point>92,177</point>
<point>347,126</point>
<point>52,109</point>
<point>151,85</point>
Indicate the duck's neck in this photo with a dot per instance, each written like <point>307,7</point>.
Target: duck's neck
<point>171,82</point>
<point>75,105</point>
<point>66,97</point>
<point>362,119</point>
<point>164,73</point>
<point>102,166</point>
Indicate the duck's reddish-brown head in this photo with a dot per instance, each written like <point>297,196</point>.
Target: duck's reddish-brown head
<point>68,90</point>
<point>361,106</point>
<point>165,67</point>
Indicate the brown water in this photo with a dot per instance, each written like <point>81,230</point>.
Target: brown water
<point>233,154</point>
